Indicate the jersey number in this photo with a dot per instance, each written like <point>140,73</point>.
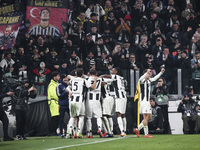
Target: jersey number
<point>75,86</point>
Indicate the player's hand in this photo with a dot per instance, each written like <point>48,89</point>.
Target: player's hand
<point>162,70</point>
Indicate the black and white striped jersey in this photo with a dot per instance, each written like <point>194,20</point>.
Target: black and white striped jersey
<point>77,85</point>
<point>49,30</point>
<point>119,86</point>
<point>96,93</point>
<point>145,86</point>
<point>105,90</point>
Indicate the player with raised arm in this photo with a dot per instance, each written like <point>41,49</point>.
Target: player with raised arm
<point>144,101</point>
<point>77,89</point>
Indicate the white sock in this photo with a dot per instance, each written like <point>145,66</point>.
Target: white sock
<point>99,123</point>
<point>146,130</point>
<point>140,126</point>
<point>107,125</point>
<point>111,124</point>
<point>120,123</point>
<point>70,124</point>
<point>80,124</point>
<point>124,123</point>
<point>88,126</point>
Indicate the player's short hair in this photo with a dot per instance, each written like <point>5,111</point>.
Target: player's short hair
<point>79,72</point>
<point>45,9</point>
<point>92,71</point>
<point>119,71</point>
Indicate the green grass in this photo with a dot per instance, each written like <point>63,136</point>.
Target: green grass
<point>163,142</point>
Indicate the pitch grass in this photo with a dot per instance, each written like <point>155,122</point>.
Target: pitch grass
<point>130,142</point>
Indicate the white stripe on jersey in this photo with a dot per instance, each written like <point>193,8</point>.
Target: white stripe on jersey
<point>96,93</point>
<point>119,86</point>
<point>77,85</point>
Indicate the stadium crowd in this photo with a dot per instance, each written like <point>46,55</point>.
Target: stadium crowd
<point>105,34</point>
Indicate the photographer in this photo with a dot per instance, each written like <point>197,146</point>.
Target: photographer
<point>22,94</point>
<point>161,96</point>
<point>188,106</point>
<point>4,118</point>
<point>156,123</point>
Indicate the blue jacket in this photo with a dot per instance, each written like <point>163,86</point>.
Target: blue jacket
<point>62,94</point>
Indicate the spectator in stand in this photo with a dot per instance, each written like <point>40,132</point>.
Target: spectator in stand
<point>64,68</point>
<point>161,97</point>
<point>6,65</point>
<point>108,39</point>
<point>42,47</point>
<point>156,123</point>
<point>133,64</point>
<point>99,47</point>
<point>195,45</point>
<point>174,36</point>
<point>165,60</point>
<point>138,11</point>
<point>102,63</point>
<point>72,14</point>
<point>150,64</point>
<point>135,39</point>
<point>187,36</point>
<point>66,51</point>
<point>142,49</point>
<point>122,62</point>
<point>36,58</point>
<point>89,62</point>
<point>61,42</point>
<point>108,8</point>
<point>158,47</point>
<point>75,61</point>
<point>112,22</point>
<point>80,19</point>
<point>53,61</point>
<point>123,11</point>
<point>78,38</point>
<point>188,106</point>
<point>40,78</point>
<point>173,19</point>
<point>183,62</point>
<point>190,21</point>
<point>155,22</point>
<point>95,8</point>
<point>95,33</point>
<point>116,52</point>
<point>21,64</point>
<point>195,65</point>
<point>123,32</point>
<point>171,8</point>
<point>126,50</point>
<point>92,21</point>
<point>88,45</point>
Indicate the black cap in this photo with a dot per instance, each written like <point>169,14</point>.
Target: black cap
<point>93,14</point>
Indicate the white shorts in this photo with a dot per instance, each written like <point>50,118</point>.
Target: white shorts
<point>108,106</point>
<point>145,107</point>
<point>121,105</point>
<point>75,106</point>
<point>82,113</point>
<point>75,109</point>
<point>93,109</point>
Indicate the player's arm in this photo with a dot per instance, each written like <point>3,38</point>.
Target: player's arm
<point>93,86</point>
<point>157,76</point>
<point>106,76</point>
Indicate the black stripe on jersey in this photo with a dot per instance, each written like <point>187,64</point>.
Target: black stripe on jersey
<point>103,92</point>
<point>142,90</point>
